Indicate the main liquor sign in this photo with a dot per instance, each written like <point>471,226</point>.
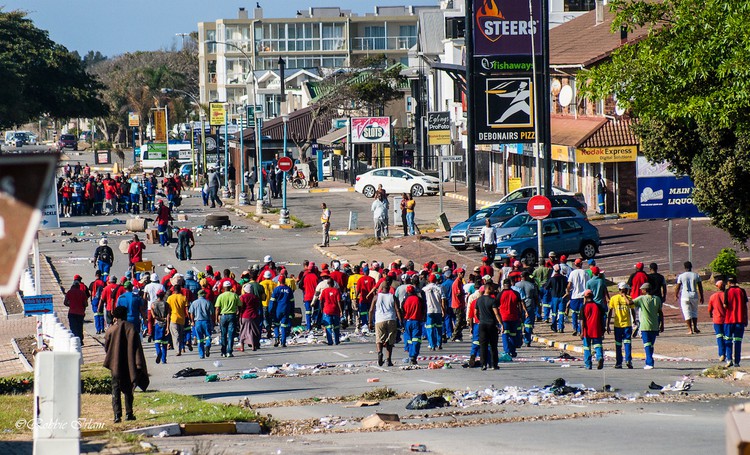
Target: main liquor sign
<point>371,130</point>
<point>504,92</point>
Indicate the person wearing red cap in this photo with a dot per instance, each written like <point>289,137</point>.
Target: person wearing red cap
<point>576,286</point>
<point>717,312</point>
<point>135,251</point>
<point>330,299</point>
<point>414,316</point>
<point>309,283</point>
<point>76,300</point>
<point>486,268</point>
<point>512,310</point>
<point>163,217</point>
<point>557,289</point>
<point>541,274</point>
<point>598,286</point>
<point>95,289</point>
<point>636,279</point>
<point>458,304</point>
<point>489,318</point>
<point>592,330</point>
<point>435,311</point>
<point>735,322</point>
<point>364,291</point>
<point>110,294</point>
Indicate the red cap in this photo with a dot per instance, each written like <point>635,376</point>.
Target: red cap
<point>77,277</point>
<point>595,270</point>
<point>324,273</point>
<point>324,266</point>
<point>459,270</point>
<point>432,278</point>
<point>209,269</point>
<point>435,267</point>
<point>485,259</point>
<point>563,258</point>
<point>409,289</point>
<point>578,261</point>
<point>639,265</point>
<point>426,265</point>
<point>282,279</point>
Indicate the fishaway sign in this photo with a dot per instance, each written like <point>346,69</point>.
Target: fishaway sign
<point>666,197</point>
<point>507,105</point>
<point>371,130</point>
<point>505,27</point>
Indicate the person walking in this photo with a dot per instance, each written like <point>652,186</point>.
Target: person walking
<point>622,311</point>
<point>530,296</point>
<point>227,305</point>
<point>651,321</point>
<point>592,330</point>
<point>435,312</point>
<point>160,316</point>
<point>410,204</point>
<point>488,313</point>
<point>402,206</point>
<point>251,177</point>
<point>163,217</point>
<point>200,315</point>
<point>330,299</point>
<point>178,306</point>
<point>251,316</point>
<point>414,316</point>
<point>127,364</point>
<point>657,281</point>
<point>214,183</point>
<point>717,313</point>
<point>185,244</point>
<point>576,287</point>
<point>512,311</point>
<point>385,317</point>
<point>488,240</point>
<point>76,299</point>
<point>104,257</point>
<point>735,321</point>
<point>95,290</point>
<point>135,252</point>
<point>325,222</point>
<point>379,209</point>
<point>689,291</point>
<point>134,304</point>
<point>598,285</point>
<point>365,293</point>
<point>281,311</point>
<point>557,289</point>
<point>636,279</point>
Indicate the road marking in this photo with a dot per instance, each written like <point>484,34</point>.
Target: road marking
<point>669,415</point>
<point>341,355</point>
<point>429,382</point>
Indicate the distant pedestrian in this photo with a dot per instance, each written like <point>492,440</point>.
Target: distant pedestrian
<point>717,311</point>
<point>104,257</point>
<point>379,209</point>
<point>651,321</point>
<point>622,312</point>
<point>410,205</point>
<point>76,299</point>
<point>251,177</point>
<point>735,321</point>
<point>402,206</point>
<point>689,292</point>
<point>214,183</point>
<point>592,330</point>
<point>163,217</point>
<point>601,192</point>
<point>227,306</point>
<point>125,359</point>
<point>135,251</point>
<point>159,316</point>
<point>185,244</point>
<point>325,222</point>
<point>385,318</point>
<point>530,295</point>
<point>557,290</point>
<point>488,240</point>
<point>95,290</point>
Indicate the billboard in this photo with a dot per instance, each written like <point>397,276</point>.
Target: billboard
<point>160,125</point>
<point>505,112</point>
<point>619,154</point>
<point>661,194</point>
<point>505,28</point>
<point>217,114</point>
<point>439,128</point>
<point>371,130</point>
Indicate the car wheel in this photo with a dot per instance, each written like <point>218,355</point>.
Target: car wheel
<point>588,249</point>
<point>477,248</point>
<point>369,191</point>
<point>158,172</point>
<point>529,256</point>
<point>460,248</point>
<point>417,191</point>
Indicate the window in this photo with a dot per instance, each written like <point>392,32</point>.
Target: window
<point>333,37</point>
<point>505,211</point>
<point>395,173</point>
<point>565,213</point>
<point>380,173</point>
<point>407,36</point>
<point>551,229</point>
<point>374,37</point>
<point>211,36</point>
<point>570,226</point>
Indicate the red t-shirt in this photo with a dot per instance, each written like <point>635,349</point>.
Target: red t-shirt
<point>716,308</point>
<point>594,317</point>
<point>413,309</point>
<point>250,306</point>
<point>639,278</point>
<point>339,278</point>
<point>111,293</point>
<point>509,305</point>
<point>76,300</point>
<point>66,191</point>
<point>330,297</point>
<point>135,252</point>
<point>364,286</point>
<point>458,295</point>
<point>486,270</point>
<point>736,306</point>
<point>310,283</point>
<point>515,276</point>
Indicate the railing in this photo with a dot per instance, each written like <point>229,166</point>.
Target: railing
<point>384,43</point>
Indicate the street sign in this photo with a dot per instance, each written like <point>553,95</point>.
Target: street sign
<point>217,114</point>
<point>134,119</point>
<point>25,180</point>
<point>37,305</point>
<point>452,158</point>
<point>438,128</point>
<point>539,207</point>
<point>285,164</point>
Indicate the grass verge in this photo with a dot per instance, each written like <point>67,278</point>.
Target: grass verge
<point>368,242</point>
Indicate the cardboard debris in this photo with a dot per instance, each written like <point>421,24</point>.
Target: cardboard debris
<point>363,404</point>
<point>380,419</point>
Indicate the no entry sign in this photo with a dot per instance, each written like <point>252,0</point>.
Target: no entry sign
<point>539,207</point>
<point>285,164</point>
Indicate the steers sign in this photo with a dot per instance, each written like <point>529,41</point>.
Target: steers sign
<point>24,183</point>
<point>505,27</point>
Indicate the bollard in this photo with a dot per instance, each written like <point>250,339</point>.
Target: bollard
<point>57,403</point>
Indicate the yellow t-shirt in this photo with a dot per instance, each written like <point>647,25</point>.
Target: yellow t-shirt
<point>178,305</point>
<point>621,306</point>
<point>351,285</point>
<point>410,205</point>
<point>268,287</point>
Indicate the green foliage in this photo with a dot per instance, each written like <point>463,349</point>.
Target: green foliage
<point>23,384</point>
<point>726,263</point>
<point>688,84</point>
<point>103,145</point>
<point>40,76</point>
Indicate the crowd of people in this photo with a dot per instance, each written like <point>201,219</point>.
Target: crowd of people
<point>84,193</point>
<point>402,301</point>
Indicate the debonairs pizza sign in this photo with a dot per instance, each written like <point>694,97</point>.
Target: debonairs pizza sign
<point>505,27</point>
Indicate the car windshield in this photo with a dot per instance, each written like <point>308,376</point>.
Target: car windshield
<point>518,220</point>
<point>525,231</point>
<point>21,136</point>
<point>482,214</point>
<point>413,172</point>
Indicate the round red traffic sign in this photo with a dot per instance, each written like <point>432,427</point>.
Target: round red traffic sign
<point>539,207</point>
<point>285,164</point>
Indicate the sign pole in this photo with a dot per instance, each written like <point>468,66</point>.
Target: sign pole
<point>440,171</point>
<point>38,288</point>
<point>470,120</point>
<point>669,247</point>
<point>690,239</point>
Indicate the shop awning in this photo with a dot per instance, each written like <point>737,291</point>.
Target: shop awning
<point>572,132</point>
<point>612,134</point>
<point>333,137</point>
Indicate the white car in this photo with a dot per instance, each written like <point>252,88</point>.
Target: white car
<point>529,191</point>
<point>396,180</point>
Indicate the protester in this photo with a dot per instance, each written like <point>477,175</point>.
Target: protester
<point>435,313</point>
<point>76,300</point>
<point>592,330</point>
<point>717,312</point>
<point>735,321</point>
<point>414,316</point>
<point>622,311</point>
<point>325,223</point>
<point>330,299</point>
<point>178,306</point>
<point>489,319</point>
<point>689,291</point>
<point>159,317</point>
<point>227,305</point>
<point>512,311</point>
<point>200,312</point>
<point>104,257</point>
<point>251,315</point>
<point>134,304</point>
<point>651,321</point>
<point>185,244</point>
<point>135,251</point>
<point>385,317</point>
<point>281,311</point>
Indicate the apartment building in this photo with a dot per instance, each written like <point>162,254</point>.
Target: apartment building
<point>312,43</point>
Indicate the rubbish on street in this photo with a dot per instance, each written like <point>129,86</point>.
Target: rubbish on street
<point>373,380</point>
<point>189,372</point>
<point>418,448</point>
<point>421,401</point>
<point>380,419</point>
<point>212,377</point>
<point>654,386</point>
<point>363,404</point>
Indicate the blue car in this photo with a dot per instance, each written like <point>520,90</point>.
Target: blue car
<point>563,236</point>
<point>458,235</point>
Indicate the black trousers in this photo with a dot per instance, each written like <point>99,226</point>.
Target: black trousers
<point>488,336</point>
<point>404,223</point>
<point>125,388</point>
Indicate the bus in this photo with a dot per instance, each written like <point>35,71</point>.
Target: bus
<point>155,156</point>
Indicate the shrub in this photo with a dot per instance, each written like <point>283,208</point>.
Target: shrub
<point>726,263</point>
<point>23,384</point>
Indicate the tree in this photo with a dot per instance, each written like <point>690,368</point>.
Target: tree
<point>41,76</point>
<point>688,85</point>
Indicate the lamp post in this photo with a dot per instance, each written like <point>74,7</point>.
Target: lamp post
<point>250,88</point>
<point>284,213</point>
<point>203,129</point>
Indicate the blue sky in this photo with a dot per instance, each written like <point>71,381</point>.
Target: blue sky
<point>117,26</point>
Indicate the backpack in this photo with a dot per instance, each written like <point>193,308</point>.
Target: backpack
<point>104,255</point>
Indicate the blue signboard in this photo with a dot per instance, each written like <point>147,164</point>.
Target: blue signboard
<point>666,197</point>
<point>37,305</point>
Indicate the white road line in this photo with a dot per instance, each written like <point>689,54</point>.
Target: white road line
<point>429,382</point>
<point>669,415</point>
<point>341,355</point>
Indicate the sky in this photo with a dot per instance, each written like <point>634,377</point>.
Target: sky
<point>114,27</point>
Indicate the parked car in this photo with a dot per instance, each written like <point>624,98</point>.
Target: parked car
<point>457,236</point>
<point>561,235</point>
<point>20,139</point>
<point>506,211</point>
<point>510,226</point>
<point>67,141</point>
<point>396,180</point>
<point>529,191</point>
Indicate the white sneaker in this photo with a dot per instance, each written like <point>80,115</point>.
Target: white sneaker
<point>648,367</point>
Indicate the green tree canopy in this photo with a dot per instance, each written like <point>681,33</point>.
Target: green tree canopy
<point>688,85</point>
<point>40,76</point>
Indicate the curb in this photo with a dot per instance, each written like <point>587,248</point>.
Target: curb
<point>461,197</point>
<point>327,254</point>
<point>238,211</point>
<point>331,190</point>
<point>579,350</point>
<point>22,358</point>
<point>175,429</point>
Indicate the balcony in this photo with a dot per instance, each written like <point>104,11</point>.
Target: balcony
<point>385,43</point>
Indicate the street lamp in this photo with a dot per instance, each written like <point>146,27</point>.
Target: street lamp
<point>284,213</point>
<point>202,114</point>
<point>250,88</point>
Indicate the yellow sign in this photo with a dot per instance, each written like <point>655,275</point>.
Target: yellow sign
<point>160,126</point>
<point>218,114</point>
<point>560,153</point>
<point>607,154</point>
<point>439,137</point>
<point>514,183</point>
<point>134,119</point>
